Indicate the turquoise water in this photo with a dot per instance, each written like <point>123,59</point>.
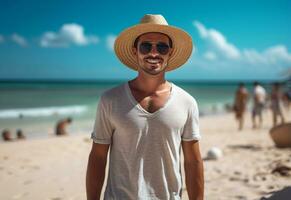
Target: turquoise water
<point>44,99</point>
<point>28,104</point>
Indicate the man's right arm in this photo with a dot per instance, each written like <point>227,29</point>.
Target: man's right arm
<point>96,170</point>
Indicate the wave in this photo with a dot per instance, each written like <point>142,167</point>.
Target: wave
<point>43,112</point>
<point>214,108</point>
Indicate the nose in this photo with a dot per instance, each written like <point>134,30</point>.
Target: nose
<point>154,51</point>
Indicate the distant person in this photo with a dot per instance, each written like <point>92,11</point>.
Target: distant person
<point>61,126</point>
<point>259,99</point>
<point>6,135</point>
<point>240,104</point>
<point>276,103</point>
<point>287,99</point>
<point>20,134</point>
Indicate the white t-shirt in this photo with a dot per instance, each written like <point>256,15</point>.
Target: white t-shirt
<point>260,93</point>
<point>145,147</point>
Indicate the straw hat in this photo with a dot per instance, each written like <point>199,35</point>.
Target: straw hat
<point>182,41</point>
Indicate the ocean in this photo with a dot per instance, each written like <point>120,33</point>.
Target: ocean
<point>34,106</point>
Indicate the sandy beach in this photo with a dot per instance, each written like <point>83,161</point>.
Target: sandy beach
<point>54,168</point>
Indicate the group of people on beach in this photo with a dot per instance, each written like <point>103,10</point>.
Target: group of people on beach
<point>7,135</point>
<point>261,100</point>
<point>60,129</point>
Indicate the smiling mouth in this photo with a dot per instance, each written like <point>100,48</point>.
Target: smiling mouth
<point>153,61</point>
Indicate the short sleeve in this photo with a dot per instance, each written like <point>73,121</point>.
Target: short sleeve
<point>102,131</point>
<point>191,129</point>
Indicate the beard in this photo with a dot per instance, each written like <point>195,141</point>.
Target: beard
<point>153,72</point>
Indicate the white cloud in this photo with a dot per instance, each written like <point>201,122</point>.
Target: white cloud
<point>253,57</point>
<point>218,41</point>
<point>271,56</point>
<point>18,39</point>
<point>209,55</point>
<point>225,59</point>
<point>110,39</point>
<point>277,53</point>
<point>1,39</point>
<point>67,35</point>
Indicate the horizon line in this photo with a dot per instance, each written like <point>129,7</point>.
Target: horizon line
<point>51,80</point>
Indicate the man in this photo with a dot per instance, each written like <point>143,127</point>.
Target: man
<point>240,104</point>
<point>61,126</point>
<point>276,103</point>
<point>146,121</point>
<point>6,135</point>
<point>259,97</point>
<point>20,135</point>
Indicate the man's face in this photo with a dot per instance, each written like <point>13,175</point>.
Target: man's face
<point>153,53</point>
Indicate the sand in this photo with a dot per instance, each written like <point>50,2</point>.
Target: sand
<point>54,168</point>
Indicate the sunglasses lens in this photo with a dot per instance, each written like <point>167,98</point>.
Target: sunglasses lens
<point>145,47</point>
<point>163,48</point>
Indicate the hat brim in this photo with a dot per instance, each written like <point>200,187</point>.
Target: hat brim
<point>182,44</point>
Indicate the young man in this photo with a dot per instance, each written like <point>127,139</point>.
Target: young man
<point>240,104</point>
<point>259,99</point>
<point>146,121</point>
<point>61,126</point>
<point>276,103</point>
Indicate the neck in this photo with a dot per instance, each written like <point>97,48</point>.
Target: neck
<point>150,83</point>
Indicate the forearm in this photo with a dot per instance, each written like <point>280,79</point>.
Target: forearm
<point>95,177</point>
<point>194,180</point>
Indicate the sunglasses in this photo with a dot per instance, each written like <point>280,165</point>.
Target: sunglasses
<point>146,47</point>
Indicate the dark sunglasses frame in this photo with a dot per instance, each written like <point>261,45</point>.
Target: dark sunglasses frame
<point>146,47</point>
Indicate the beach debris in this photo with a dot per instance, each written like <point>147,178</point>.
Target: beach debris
<point>237,173</point>
<point>214,153</point>
<point>241,197</point>
<point>260,176</point>
<point>271,187</point>
<point>56,198</point>
<point>245,180</point>
<point>282,170</point>
<point>246,146</point>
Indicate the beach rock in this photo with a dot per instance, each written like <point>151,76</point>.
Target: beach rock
<point>214,153</point>
<point>281,135</point>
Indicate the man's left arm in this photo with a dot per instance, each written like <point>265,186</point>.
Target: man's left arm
<point>193,166</point>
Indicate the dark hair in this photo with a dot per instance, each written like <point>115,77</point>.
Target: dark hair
<point>19,134</point>
<point>276,84</point>
<point>136,40</point>
<point>256,83</point>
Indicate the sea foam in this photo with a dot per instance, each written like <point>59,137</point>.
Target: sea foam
<point>43,112</point>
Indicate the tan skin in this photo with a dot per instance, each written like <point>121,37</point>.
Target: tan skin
<point>151,90</point>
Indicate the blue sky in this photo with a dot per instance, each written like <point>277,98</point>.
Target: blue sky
<point>235,40</point>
